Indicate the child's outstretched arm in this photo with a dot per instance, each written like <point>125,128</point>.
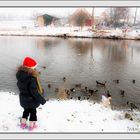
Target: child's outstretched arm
<point>35,93</point>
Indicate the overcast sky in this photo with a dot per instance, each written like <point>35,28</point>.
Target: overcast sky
<point>60,12</point>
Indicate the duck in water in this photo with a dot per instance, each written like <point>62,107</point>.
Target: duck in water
<point>134,81</point>
<point>122,93</point>
<point>101,84</point>
<point>49,85</point>
<point>78,85</point>
<point>116,81</point>
<point>64,79</point>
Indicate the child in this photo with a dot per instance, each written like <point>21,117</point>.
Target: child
<point>30,92</point>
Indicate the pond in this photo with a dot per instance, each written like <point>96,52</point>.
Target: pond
<point>80,60</point>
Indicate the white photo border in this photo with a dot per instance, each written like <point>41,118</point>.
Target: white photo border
<point>68,3</point>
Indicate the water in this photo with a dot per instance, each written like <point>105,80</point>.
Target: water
<point>80,61</point>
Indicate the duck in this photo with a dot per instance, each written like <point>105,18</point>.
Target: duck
<point>116,81</point>
<point>127,102</point>
<point>78,85</point>
<point>133,106</point>
<point>64,79</point>
<point>101,84</point>
<point>44,67</point>
<point>56,89</point>
<point>134,81</point>
<point>67,92</point>
<point>122,93</point>
<point>96,90</point>
<point>109,95</point>
<point>86,88</point>
<point>79,98</point>
<point>91,91</point>
<point>49,85</point>
<point>107,92</point>
<point>72,89</point>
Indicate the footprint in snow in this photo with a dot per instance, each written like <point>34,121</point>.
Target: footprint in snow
<point>68,120</point>
<point>73,116</point>
<point>5,128</point>
<point>104,120</point>
<point>91,122</point>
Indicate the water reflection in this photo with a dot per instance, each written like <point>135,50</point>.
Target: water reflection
<point>43,42</point>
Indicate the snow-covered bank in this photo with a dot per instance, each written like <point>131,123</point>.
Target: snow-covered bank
<point>66,116</point>
<point>73,32</point>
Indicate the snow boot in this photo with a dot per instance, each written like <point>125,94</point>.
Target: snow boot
<point>23,125</point>
<point>32,126</point>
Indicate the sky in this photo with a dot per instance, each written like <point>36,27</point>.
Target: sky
<point>59,12</point>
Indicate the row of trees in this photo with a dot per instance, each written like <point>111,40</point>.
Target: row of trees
<point>120,16</point>
<point>112,17</point>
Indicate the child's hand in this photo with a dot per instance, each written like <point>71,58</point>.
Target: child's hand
<point>42,90</point>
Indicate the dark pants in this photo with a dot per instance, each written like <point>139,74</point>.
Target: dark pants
<point>31,112</point>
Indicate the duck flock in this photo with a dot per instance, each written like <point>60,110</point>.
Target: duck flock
<point>65,93</point>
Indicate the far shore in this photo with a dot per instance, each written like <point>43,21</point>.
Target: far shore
<point>66,32</point>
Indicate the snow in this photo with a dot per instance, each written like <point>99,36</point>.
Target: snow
<point>27,28</point>
<point>66,116</point>
<point>15,24</point>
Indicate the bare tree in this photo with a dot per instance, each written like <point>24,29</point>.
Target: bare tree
<point>80,20</point>
<point>93,23</point>
<point>119,16</point>
<point>135,16</point>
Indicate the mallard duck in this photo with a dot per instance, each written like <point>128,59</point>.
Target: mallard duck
<point>79,98</point>
<point>49,85</point>
<point>72,89</point>
<point>91,91</point>
<point>64,79</point>
<point>116,81</point>
<point>122,93</point>
<point>86,89</point>
<point>134,81</point>
<point>67,92</point>
<point>133,106</point>
<point>44,67</point>
<point>56,89</point>
<point>101,84</point>
<point>78,85</point>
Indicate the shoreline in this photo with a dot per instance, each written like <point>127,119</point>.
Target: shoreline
<point>117,34</point>
<point>65,37</point>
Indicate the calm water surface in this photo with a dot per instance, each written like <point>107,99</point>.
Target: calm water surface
<point>80,61</point>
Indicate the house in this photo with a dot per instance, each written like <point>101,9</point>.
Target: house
<point>44,20</point>
<point>81,17</point>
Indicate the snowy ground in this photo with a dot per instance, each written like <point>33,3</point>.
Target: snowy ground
<point>67,116</point>
<point>71,32</point>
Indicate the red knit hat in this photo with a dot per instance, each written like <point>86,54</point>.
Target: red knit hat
<point>29,62</point>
